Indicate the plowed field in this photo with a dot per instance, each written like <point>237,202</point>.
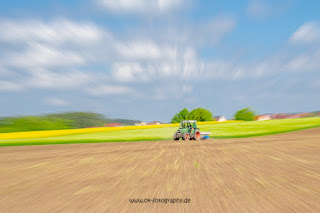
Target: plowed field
<point>278,173</point>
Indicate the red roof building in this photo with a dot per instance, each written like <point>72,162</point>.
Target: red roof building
<point>300,115</point>
<point>112,124</point>
<point>287,116</point>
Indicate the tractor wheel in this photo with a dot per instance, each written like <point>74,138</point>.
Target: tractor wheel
<point>191,137</point>
<point>175,137</point>
<point>197,135</point>
<point>186,136</point>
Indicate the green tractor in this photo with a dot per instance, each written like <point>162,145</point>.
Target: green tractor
<point>188,130</point>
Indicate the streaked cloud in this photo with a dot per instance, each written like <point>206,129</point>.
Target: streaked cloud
<point>46,79</point>
<point>308,33</point>
<point>39,55</point>
<point>54,32</point>
<point>264,8</point>
<point>110,90</point>
<point>145,50</point>
<point>140,6</point>
<point>307,61</point>
<point>56,102</point>
<point>6,86</point>
<point>184,64</point>
<point>215,29</point>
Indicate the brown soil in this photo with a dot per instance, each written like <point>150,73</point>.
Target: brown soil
<point>279,173</point>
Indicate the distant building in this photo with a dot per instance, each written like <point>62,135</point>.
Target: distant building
<point>112,124</point>
<point>264,117</point>
<point>155,123</point>
<point>288,116</point>
<point>280,116</point>
<point>140,124</point>
<point>299,115</point>
<point>220,118</point>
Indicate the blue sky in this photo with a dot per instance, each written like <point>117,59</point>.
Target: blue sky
<point>147,59</point>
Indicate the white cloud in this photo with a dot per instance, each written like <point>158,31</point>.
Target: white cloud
<point>3,71</point>
<point>145,50</point>
<point>139,6</point>
<point>214,30</point>
<point>9,86</point>
<point>204,33</point>
<point>172,90</point>
<point>191,66</point>
<point>183,64</point>
<point>263,8</point>
<point>56,102</point>
<point>38,55</point>
<point>233,70</point>
<point>258,8</point>
<point>307,33</point>
<point>54,32</point>
<point>128,71</point>
<point>219,69</point>
<point>110,90</point>
<point>58,80</point>
<point>308,61</point>
<point>48,54</point>
<point>38,44</point>
<point>187,88</point>
<point>285,62</point>
<point>169,4</point>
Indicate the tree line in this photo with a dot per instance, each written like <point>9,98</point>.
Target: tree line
<point>68,120</point>
<point>202,114</point>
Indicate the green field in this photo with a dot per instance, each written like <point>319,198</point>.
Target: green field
<point>221,130</point>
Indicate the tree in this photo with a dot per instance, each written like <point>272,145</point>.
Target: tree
<point>200,114</point>
<point>182,115</point>
<point>246,114</point>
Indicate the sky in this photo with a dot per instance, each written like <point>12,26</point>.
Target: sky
<point>148,59</point>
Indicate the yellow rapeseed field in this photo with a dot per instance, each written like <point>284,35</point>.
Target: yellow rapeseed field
<point>53,133</point>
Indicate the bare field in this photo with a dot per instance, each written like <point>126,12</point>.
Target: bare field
<point>279,173</point>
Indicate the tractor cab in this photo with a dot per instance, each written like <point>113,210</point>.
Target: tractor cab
<point>188,125</point>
